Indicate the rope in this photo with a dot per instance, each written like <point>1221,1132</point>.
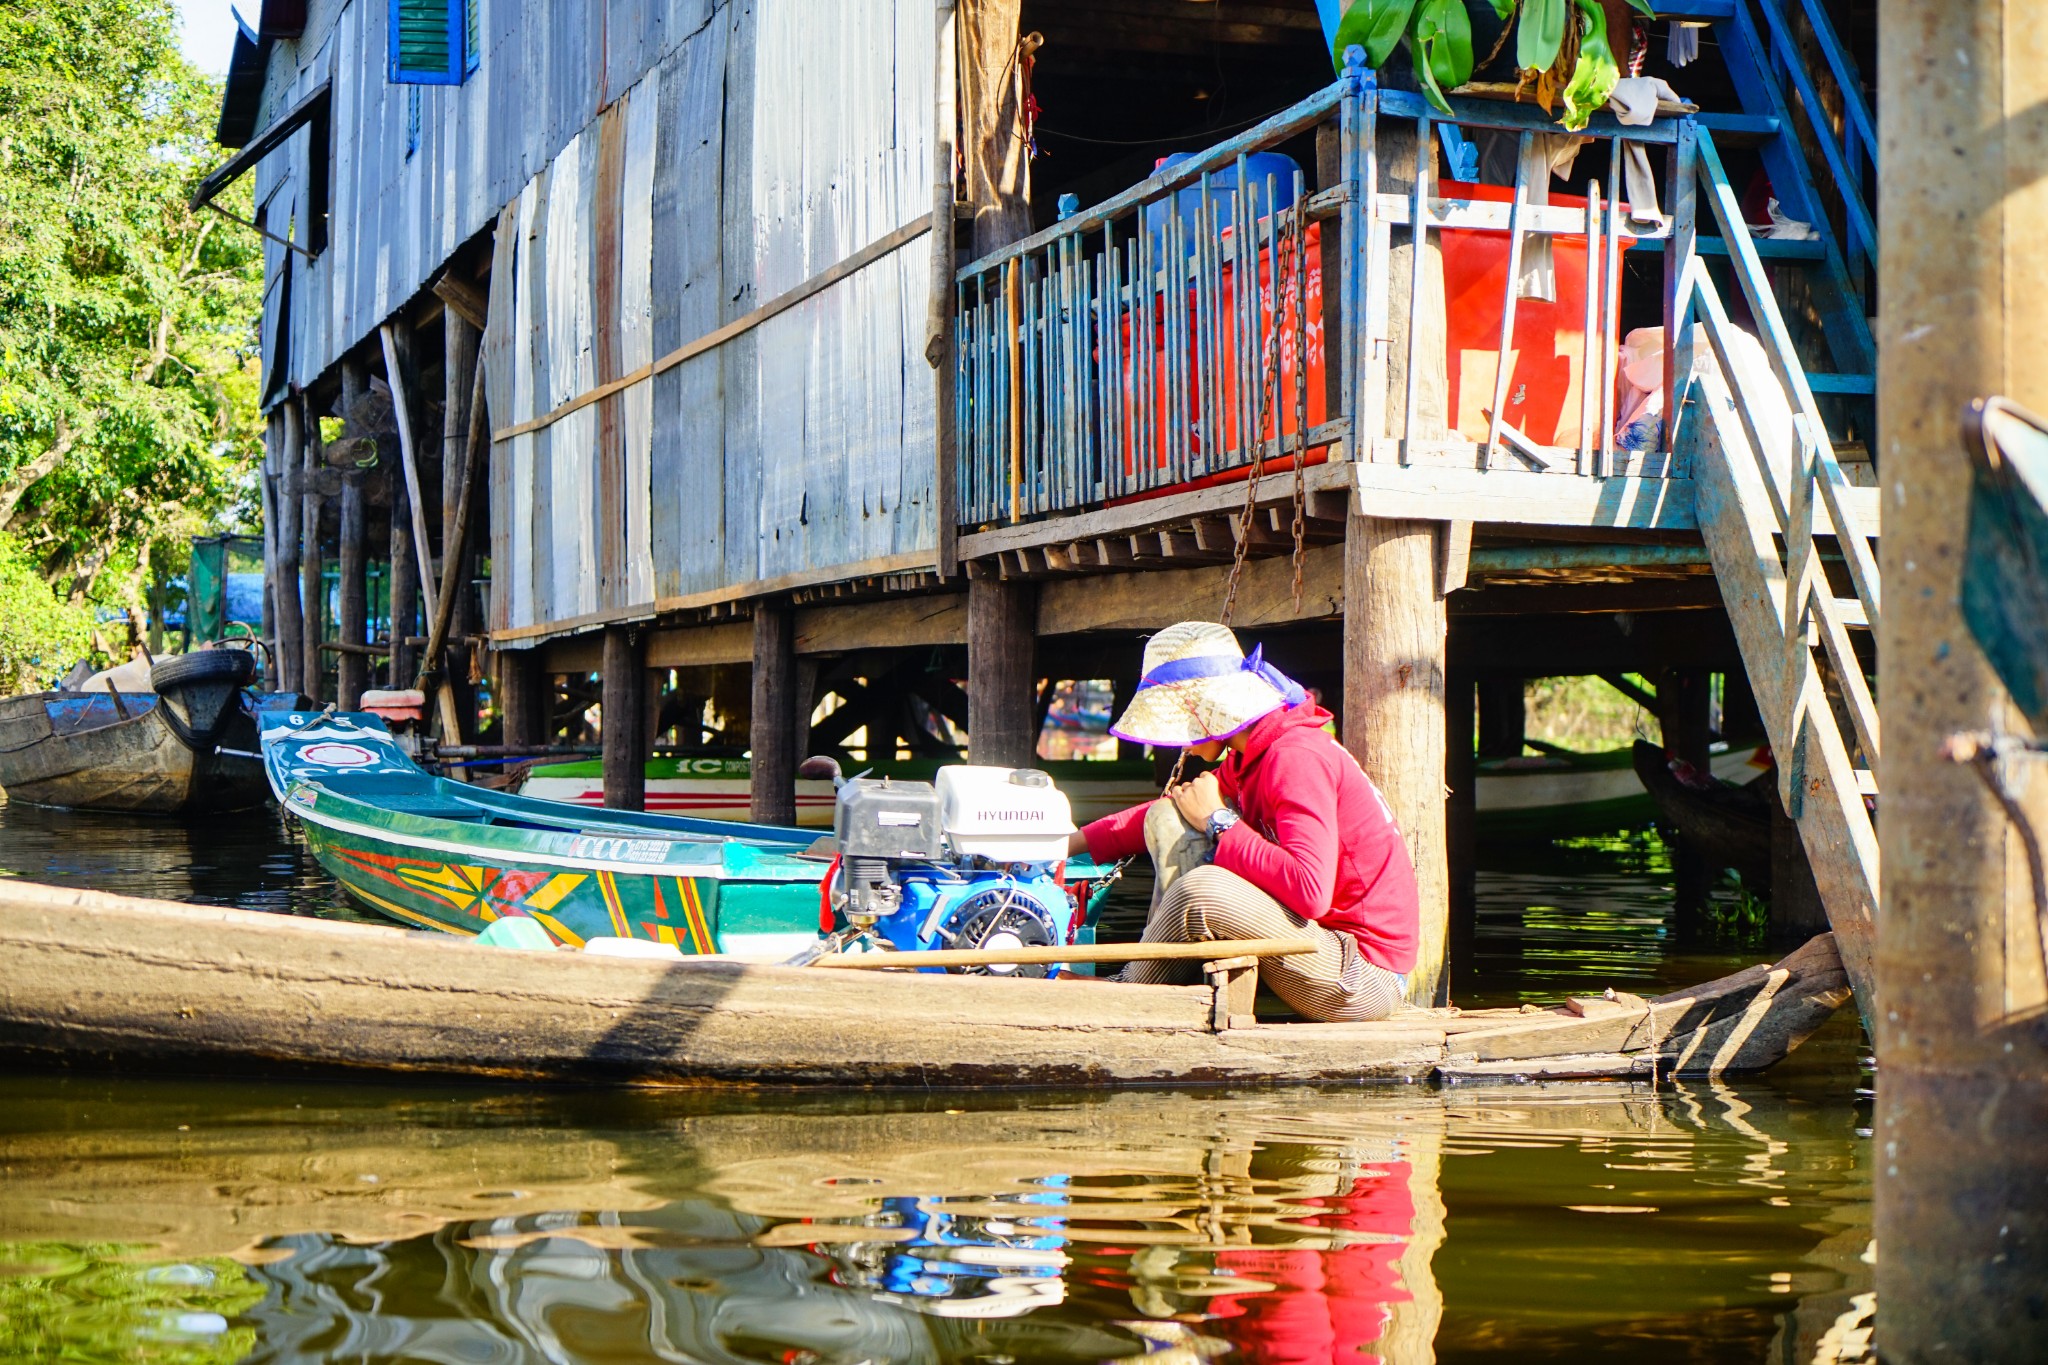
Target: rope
<point>1289,253</point>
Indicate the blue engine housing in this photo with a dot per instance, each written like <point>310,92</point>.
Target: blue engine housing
<point>947,907</point>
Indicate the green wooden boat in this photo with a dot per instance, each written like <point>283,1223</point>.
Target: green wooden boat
<point>431,852</point>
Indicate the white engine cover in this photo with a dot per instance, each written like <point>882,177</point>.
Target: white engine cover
<point>1009,815</point>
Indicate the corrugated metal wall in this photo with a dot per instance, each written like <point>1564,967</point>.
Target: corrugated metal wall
<point>759,153</point>
<point>743,148</point>
<point>397,212</point>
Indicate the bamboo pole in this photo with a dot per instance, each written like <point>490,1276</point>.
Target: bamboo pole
<point>451,720</point>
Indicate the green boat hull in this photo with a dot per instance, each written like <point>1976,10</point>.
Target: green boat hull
<point>465,892</point>
<point>441,855</point>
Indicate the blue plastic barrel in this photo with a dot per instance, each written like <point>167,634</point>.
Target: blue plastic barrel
<point>1223,190</point>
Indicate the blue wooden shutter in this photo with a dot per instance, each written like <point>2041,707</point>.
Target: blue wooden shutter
<point>428,42</point>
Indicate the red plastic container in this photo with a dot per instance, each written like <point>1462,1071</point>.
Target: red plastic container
<point>1549,345</point>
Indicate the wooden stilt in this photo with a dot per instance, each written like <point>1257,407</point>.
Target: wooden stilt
<point>1685,708</point>
<point>1796,907</point>
<point>405,589</point>
<point>523,696</point>
<point>774,716</point>
<point>1461,818</point>
<point>1961,1172</point>
<point>312,587</point>
<point>625,719</point>
<point>284,571</point>
<point>1394,705</point>
<point>1503,716</point>
<point>352,667</point>
<point>1002,674</point>
<point>460,356</point>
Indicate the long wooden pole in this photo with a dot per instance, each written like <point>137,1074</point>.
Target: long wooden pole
<point>1213,951</point>
<point>444,695</point>
<point>1960,1168</point>
<point>457,542</point>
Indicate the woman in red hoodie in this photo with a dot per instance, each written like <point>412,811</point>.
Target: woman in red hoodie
<point>1287,838</point>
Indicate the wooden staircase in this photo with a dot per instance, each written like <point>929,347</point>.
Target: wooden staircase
<point>1772,501</point>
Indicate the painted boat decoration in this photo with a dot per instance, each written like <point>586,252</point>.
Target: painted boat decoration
<point>443,855</point>
<point>188,745</point>
<point>90,984</point>
<point>1536,795</point>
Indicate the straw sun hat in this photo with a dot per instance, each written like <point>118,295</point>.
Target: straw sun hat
<point>1198,685</point>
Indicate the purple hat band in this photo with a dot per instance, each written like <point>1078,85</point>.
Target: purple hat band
<point>1220,666</point>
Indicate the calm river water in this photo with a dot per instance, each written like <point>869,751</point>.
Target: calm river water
<point>161,1220</point>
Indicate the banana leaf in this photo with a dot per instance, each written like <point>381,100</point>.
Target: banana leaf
<point>1597,71</point>
<point>1539,33</point>
<point>1376,26</point>
<point>1442,47</point>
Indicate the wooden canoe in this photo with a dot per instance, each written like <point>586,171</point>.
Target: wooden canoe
<point>100,980</point>
<point>100,751</point>
<point>1729,824</point>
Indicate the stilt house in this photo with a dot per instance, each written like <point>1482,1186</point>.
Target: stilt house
<point>843,376</point>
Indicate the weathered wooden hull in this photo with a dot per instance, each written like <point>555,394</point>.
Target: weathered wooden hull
<point>1728,825</point>
<point>99,980</point>
<point>137,764</point>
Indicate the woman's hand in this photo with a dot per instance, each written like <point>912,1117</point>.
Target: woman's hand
<point>1197,800</point>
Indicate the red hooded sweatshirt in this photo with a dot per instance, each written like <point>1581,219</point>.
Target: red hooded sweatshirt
<point>1316,835</point>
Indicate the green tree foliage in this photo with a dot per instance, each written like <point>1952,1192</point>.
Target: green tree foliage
<point>128,417</point>
<point>40,635</point>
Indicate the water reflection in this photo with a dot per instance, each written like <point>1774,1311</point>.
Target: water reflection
<point>273,1223</point>
<point>244,859</point>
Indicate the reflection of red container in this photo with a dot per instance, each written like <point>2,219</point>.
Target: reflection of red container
<point>1158,455</point>
<point>1549,341</point>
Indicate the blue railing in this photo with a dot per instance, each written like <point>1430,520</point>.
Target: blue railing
<point>1212,315</point>
<point>1161,336</point>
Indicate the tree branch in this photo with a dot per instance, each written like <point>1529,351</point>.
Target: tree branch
<point>37,469</point>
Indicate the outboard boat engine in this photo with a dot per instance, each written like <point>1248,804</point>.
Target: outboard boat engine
<point>971,861</point>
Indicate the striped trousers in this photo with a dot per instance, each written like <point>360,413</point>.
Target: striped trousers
<point>1194,900</point>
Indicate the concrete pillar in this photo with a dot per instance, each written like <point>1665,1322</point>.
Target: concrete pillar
<point>625,719</point>
<point>1002,672</point>
<point>1394,705</point>
<point>1961,1188</point>
<point>774,736</point>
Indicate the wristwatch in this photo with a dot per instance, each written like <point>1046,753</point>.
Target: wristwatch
<point>1221,820</point>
